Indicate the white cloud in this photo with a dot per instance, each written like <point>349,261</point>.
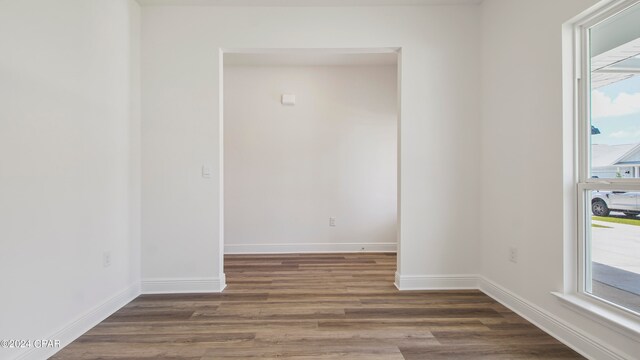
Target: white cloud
<point>622,134</point>
<point>604,106</point>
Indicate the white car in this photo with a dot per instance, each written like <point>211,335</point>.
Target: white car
<point>603,202</point>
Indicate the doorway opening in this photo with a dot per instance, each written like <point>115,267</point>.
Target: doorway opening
<point>310,151</point>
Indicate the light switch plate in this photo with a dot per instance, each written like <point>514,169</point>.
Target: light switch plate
<point>288,99</point>
<point>206,172</point>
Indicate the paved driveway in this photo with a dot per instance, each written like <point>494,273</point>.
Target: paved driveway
<point>617,246</point>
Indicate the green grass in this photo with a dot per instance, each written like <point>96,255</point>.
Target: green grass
<point>617,220</point>
<point>601,226</point>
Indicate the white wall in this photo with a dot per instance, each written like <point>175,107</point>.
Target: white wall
<point>439,126</point>
<point>135,138</point>
<point>66,175</point>
<point>289,168</point>
<point>522,161</point>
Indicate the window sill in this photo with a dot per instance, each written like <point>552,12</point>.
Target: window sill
<point>625,324</point>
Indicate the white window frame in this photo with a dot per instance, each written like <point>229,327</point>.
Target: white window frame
<point>575,293</point>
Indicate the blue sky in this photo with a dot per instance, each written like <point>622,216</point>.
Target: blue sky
<point>616,112</point>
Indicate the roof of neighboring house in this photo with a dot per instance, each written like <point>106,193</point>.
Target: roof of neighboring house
<point>613,155</point>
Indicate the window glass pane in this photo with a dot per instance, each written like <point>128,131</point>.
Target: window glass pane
<point>613,247</point>
<point>615,96</point>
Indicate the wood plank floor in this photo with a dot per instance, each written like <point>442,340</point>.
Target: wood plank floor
<point>316,306</point>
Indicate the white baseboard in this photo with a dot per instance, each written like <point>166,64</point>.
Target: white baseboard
<point>183,285</point>
<point>309,248</point>
<point>82,324</point>
<point>436,282</point>
<point>585,344</point>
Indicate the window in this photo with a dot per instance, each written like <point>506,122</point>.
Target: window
<point>609,157</point>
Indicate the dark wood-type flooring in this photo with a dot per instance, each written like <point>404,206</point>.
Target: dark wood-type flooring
<point>315,306</point>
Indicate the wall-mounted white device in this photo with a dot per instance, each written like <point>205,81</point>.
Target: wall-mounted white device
<point>288,99</point>
<point>206,172</point>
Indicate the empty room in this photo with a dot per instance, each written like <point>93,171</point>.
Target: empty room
<point>320,179</point>
<point>310,151</point>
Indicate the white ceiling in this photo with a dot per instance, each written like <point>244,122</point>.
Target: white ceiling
<point>308,2</point>
<point>310,58</point>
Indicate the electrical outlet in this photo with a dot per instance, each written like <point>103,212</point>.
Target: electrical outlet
<point>513,254</point>
<point>106,259</point>
<point>332,221</point>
